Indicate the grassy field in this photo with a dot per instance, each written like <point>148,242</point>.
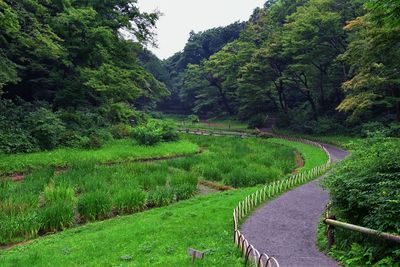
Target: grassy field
<point>50,200</point>
<point>343,141</point>
<point>211,124</point>
<point>116,151</point>
<point>158,237</point>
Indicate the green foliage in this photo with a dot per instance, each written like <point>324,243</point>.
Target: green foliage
<point>292,60</point>
<point>199,47</point>
<point>130,200</point>
<point>161,196</point>
<point>193,119</point>
<point>202,220</point>
<point>46,128</point>
<point>115,151</point>
<point>364,191</point>
<point>120,131</point>
<point>69,62</point>
<point>373,85</point>
<point>23,224</point>
<point>94,205</point>
<point>154,132</point>
<point>58,205</point>
<point>119,113</point>
<point>16,140</point>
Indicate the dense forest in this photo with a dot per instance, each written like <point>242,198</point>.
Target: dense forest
<point>315,65</point>
<point>66,72</point>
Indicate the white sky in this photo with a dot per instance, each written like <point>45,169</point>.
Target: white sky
<point>182,16</point>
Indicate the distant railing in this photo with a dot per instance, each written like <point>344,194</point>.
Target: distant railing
<point>250,253</point>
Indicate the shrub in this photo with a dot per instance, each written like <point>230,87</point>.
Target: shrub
<point>82,121</point>
<point>45,127</point>
<point>122,113</point>
<point>157,115</point>
<point>121,130</point>
<point>193,119</point>
<point>98,138</point>
<point>148,134</point>
<point>388,130</point>
<point>130,200</point>
<point>14,137</point>
<point>74,139</point>
<point>155,131</point>
<point>365,189</point>
<point>58,205</point>
<point>94,206</point>
<point>16,140</point>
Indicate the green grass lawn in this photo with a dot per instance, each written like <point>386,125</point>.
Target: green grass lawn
<point>312,156</point>
<point>115,151</point>
<point>211,124</point>
<point>343,141</point>
<point>158,237</point>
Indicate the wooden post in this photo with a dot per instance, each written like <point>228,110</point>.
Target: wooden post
<point>331,233</point>
<point>195,254</point>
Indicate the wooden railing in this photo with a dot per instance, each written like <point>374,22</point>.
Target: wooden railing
<point>332,223</point>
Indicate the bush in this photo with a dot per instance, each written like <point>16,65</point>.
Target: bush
<point>120,131</point>
<point>45,127</point>
<point>365,188</point>
<point>373,128</point>
<point>94,206</point>
<point>130,200</point>
<point>122,113</point>
<point>74,139</point>
<point>16,140</point>
<point>168,131</point>
<point>149,134</point>
<point>157,115</point>
<point>83,121</point>
<point>58,204</point>
<point>98,138</point>
<point>154,132</point>
<point>193,119</point>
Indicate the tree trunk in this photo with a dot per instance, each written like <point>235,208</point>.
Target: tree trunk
<point>224,100</point>
<point>313,107</point>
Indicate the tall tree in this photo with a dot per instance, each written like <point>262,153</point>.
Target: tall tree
<point>374,56</point>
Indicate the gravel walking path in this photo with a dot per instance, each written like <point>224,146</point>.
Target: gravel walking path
<point>286,227</point>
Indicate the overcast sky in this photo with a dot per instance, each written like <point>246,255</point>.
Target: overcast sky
<point>182,16</point>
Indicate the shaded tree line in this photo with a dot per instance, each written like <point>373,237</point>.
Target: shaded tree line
<point>200,47</point>
<point>314,64</point>
<point>70,71</point>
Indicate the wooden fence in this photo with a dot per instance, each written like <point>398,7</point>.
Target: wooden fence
<point>250,253</point>
<point>332,223</point>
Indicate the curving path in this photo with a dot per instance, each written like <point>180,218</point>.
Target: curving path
<point>286,227</point>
